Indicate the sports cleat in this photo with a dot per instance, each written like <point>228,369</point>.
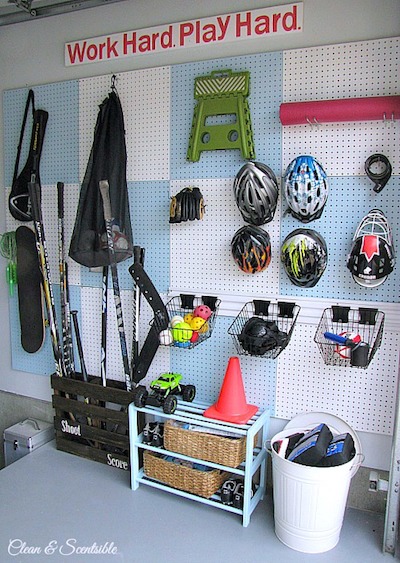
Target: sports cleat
<point>148,432</point>
<point>227,491</point>
<point>238,495</point>
<point>158,435</point>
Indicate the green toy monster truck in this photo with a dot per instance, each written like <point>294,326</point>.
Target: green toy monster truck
<point>163,393</point>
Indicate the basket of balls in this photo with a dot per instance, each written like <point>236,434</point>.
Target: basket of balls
<point>191,320</point>
<point>361,327</point>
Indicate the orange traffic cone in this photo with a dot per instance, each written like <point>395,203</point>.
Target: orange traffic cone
<point>231,405</point>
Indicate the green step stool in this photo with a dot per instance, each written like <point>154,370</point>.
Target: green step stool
<point>221,93</point>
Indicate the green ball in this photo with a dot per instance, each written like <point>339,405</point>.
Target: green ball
<point>182,332</point>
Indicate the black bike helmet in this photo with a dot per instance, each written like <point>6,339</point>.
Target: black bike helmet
<point>304,255</point>
<point>256,193</point>
<point>372,256</point>
<point>251,249</point>
<point>306,188</point>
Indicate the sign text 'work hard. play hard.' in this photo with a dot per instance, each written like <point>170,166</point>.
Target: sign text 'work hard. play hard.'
<point>254,24</point>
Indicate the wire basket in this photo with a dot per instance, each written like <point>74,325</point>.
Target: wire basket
<point>199,315</point>
<point>269,337</point>
<point>364,324</point>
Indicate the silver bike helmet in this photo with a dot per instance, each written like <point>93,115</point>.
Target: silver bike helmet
<point>306,188</point>
<point>256,193</point>
<point>372,257</point>
<point>304,256</point>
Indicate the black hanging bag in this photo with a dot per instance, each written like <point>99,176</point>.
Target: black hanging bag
<point>18,202</point>
<point>107,161</point>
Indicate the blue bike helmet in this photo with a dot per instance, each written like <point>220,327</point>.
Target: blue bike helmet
<point>306,188</point>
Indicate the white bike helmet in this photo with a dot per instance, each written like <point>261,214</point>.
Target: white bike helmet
<point>256,193</point>
<point>306,188</point>
<point>372,258</point>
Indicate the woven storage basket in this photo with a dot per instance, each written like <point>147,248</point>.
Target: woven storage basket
<point>201,483</point>
<point>205,446</point>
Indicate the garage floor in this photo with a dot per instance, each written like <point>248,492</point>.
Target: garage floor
<point>56,506</point>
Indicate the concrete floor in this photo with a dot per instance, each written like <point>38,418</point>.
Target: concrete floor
<point>54,505</point>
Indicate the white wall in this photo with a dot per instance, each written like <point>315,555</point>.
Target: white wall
<point>33,53</point>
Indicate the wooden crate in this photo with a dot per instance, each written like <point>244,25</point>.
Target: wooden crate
<point>91,421</point>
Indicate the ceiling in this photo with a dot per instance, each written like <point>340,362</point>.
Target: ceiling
<point>14,11</point>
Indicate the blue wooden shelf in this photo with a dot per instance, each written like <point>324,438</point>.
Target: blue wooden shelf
<point>192,413</point>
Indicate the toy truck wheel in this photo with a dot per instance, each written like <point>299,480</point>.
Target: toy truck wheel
<point>140,396</point>
<point>170,404</point>
<point>189,393</point>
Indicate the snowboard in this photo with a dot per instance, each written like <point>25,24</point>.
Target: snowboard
<point>30,294</point>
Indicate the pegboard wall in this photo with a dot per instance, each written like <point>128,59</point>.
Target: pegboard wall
<point>194,257</point>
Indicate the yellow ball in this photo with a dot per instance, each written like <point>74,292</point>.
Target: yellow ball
<point>204,328</point>
<point>197,323</point>
<point>188,318</point>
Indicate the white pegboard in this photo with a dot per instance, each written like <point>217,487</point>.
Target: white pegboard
<point>145,101</point>
<point>342,148</point>
<point>364,397</point>
<point>347,70</point>
<point>351,70</point>
<point>203,247</point>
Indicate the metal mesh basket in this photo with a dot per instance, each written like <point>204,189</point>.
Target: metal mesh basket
<point>363,322</point>
<point>184,306</point>
<point>281,318</point>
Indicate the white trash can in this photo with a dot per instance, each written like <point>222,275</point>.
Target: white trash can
<point>309,502</point>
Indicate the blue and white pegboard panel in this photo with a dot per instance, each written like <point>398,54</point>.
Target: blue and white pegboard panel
<point>145,101</point>
<point>205,367</point>
<point>264,99</point>
<point>351,70</point>
<point>349,201</point>
<point>365,398</point>
<point>201,258</point>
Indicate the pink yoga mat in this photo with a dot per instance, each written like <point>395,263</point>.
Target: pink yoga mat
<point>336,111</point>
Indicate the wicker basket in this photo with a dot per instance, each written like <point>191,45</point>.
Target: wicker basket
<point>201,483</point>
<point>203,445</point>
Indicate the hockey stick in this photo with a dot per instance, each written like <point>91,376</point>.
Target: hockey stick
<point>138,258</point>
<point>34,188</point>
<point>64,294</point>
<point>103,367</point>
<point>108,218</point>
<point>74,315</point>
